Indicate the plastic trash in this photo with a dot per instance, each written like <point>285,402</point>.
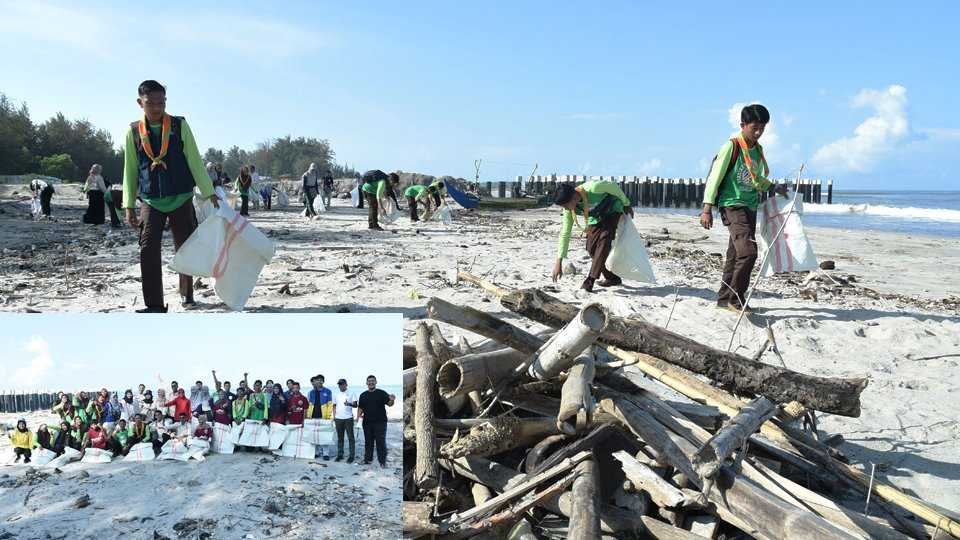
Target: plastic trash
<point>140,452</point>
<point>174,449</point>
<point>96,455</point>
<point>443,214</point>
<point>68,455</point>
<point>42,456</point>
<point>235,432</point>
<point>628,258</point>
<point>221,439</point>
<point>295,446</point>
<point>255,434</point>
<point>792,251</point>
<point>318,205</point>
<point>355,196</point>
<point>278,434</point>
<point>283,200</point>
<point>229,249</point>
<point>318,431</point>
<point>391,212</point>
<point>35,208</point>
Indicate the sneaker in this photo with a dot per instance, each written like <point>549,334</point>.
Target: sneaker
<point>188,304</point>
<point>587,285</point>
<point>610,282</point>
<point>339,458</point>
<point>153,309</point>
<point>377,228</point>
<point>350,459</point>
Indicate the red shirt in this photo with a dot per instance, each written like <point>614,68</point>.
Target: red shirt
<point>204,432</point>
<point>181,405</point>
<point>297,409</point>
<point>98,439</point>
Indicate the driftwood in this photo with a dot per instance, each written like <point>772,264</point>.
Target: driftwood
<point>426,473</point>
<point>481,323</point>
<point>642,477</point>
<point>585,509</point>
<point>497,435</point>
<point>562,350</point>
<point>576,399</point>
<point>732,371</point>
<point>462,375</point>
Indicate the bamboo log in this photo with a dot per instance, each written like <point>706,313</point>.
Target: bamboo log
<point>459,376</point>
<point>426,471</point>
<point>576,400</point>
<point>498,435</point>
<point>483,324</point>
<point>562,350</point>
<point>584,513</point>
<point>661,492</point>
<point>738,501</point>
<point>740,374</point>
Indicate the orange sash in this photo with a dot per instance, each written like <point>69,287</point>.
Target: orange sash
<point>745,152</point>
<point>164,142</point>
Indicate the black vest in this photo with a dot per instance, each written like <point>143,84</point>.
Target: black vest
<point>176,179</point>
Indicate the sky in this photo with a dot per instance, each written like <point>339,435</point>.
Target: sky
<point>860,92</point>
<point>88,351</point>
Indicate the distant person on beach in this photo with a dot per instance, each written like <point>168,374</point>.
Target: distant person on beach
<point>296,406</point>
<point>95,188</point>
<point>377,187</point>
<point>22,440</point>
<point>259,409</point>
<point>128,406</point>
<point>223,410</point>
<point>327,188</point>
<point>321,407</point>
<point>120,439</point>
<point>343,404</point>
<point>254,180</point>
<point>139,431</point>
<point>241,407</point>
<point>43,191</point>
<point>204,431</point>
<point>278,405</point>
<point>95,437</point>
<point>601,203</point>
<point>161,167</point>
<point>180,404</point>
<point>111,413</point>
<point>372,406</point>
<point>360,182</point>
<point>243,186</point>
<point>78,430</point>
<point>417,193</point>
<point>311,185</point>
<point>113,196</point>
<point>737,177</point>
<point>160,427</point>
<point>439,192</point>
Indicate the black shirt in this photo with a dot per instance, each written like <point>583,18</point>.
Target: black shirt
<point>374,405</point>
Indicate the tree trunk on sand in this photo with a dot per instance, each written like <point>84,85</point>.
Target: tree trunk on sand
<point>562,350</point>
<point>483,324</point>
<point>732,371</point>
<point>426,471</point>
<point>584,513</point>
<point>462,375</point>
<point>497,435</point>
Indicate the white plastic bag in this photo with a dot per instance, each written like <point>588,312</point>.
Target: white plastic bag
<point>140,452</point>
<point>278,434</point>
<point>229,249</point>
<point>443,214</point>
<point>792,251</point>
<point>35,208</point>
<point>628,257</point>
<point>197,448</point>
<point>391,212</point>
<point>68,455</point>
<point>296,447</point>
<point>235,433</point>
<point>255,434</point>
<point>355,196</point>
<point>42,456</point>
<point>318,431</point>
<point>283,200</point>
<point>96,455</point>
<point>221,439</point>
<point>174,449</point>
<point>318,205</point>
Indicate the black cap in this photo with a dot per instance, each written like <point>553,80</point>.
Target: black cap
<point>342,381</point>
<point>563,195</point>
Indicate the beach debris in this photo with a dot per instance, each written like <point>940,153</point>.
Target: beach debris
<point>828,265</point>
<point>195,528</point>
<point>82,501</point>
<point>593,441</point>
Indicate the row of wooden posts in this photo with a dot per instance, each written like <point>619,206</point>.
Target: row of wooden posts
<point>11,402</point>
<point>650,191</point>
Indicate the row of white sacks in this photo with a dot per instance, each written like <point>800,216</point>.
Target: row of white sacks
<point>294,441</point>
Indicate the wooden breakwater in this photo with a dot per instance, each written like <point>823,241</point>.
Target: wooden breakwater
<point>649,191</point>
<point>18,402</point>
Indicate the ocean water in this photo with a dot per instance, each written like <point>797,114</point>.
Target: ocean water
<point>928,213</point>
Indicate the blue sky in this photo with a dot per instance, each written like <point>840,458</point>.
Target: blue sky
<point>86,351</point>
<point>862,92</point>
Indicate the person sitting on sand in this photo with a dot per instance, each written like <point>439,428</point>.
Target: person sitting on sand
<point>120,440</point>
<point>78,430</point>
<point>62,439</point>
<point>601,203</point>
<point>278,405</point>
<point>376,188</point>
<point>44,438</point>
<point>95,437</point>
<point>417,193</point>
<point>43,191</point>
<point>296,406</point>
<point>161,166</point>
<point>181,405</point>
<point>737,177</point>
<point>139,431</point>
<point>94,188</point>
<point>184,427</point>
<point>204,431</point>
<point>160,428</point>
<point>22,440</point>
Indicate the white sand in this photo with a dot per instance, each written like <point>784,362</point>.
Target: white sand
<point>315,499</point>
<point>909,348</point>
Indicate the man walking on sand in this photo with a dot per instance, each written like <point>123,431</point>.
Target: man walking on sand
<point>161,166</point>
<point>737,177</point>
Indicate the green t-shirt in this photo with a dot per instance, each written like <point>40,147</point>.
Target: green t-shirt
<point>241,411</point>
<point>378,188</point>
<point>131,173</point>
<point>737,187</point>
<point>595,191</point>
<point>257,412</point>
<point>414,191</point>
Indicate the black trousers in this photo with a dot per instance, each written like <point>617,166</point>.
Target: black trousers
<point>345,425</point>
<point>412,203</point>
<point>309,194</point>
<point>45,196</point>
<point>114,208</point>
<point>25,452</point>
<point>244,205</point>
<point>375,434</point>
<point>94,214</point>
<point>373,211</point>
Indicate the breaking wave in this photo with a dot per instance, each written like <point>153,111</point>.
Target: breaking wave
<point>932,214</point>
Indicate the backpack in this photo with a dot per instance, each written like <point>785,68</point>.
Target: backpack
<point>733,161</point>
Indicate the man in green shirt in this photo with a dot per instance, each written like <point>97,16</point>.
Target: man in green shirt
<point>415,194</point>
<point>601,203</point>
<point>737,177</point>
<point>161,166</point>
<point>377,185</point>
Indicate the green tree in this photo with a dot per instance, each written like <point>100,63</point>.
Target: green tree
<point>60,166</point>
<point>17,138</point>
<point>212,155</point>
<point>235,159</point>
<point>80,139</point>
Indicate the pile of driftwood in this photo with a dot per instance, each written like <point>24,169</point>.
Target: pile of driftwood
<point>598,428</point>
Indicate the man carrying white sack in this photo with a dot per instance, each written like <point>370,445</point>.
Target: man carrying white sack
<point>601,203</point>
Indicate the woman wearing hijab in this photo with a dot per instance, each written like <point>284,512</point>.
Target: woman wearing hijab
<point>62,439</point>
<point>200,399</point>
<point>65,408</point>
<point>147,405</point>
<point>161,399</point>
<point>94,188</point>
<point>278,405</point>
<point>22,441</point>
<point>241,407</point>
<point>111,413</point>
<point>43,438</point>
<point>80,402</point>
<point>77,431</point>
<point>96,409</point>
<point>128,406</point>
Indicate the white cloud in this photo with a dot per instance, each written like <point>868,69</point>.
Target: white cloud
<point>771,137</point>
<point>941,134</point>
<point>51,23</point>
<point>874,137</point>
<point>29,375</point>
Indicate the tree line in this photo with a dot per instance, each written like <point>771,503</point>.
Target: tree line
<point>66,149</point>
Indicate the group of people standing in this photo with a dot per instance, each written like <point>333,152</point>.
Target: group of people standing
<point>108,422</point>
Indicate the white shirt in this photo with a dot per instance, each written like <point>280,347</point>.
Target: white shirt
<point>95,183</point>
<point>340,399</point>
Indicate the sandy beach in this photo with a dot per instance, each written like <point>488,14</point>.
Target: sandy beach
<point>239,496</point>
<point>890,311</point>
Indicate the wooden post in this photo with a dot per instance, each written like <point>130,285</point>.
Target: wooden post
<point>830,191</point>
<point>585,509</point>
<point>576,400</point>
<point>561,350</point>
<point>816,191</point>
<point>501,189</point>
<point>426,472</point>
<point>489,189</point>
